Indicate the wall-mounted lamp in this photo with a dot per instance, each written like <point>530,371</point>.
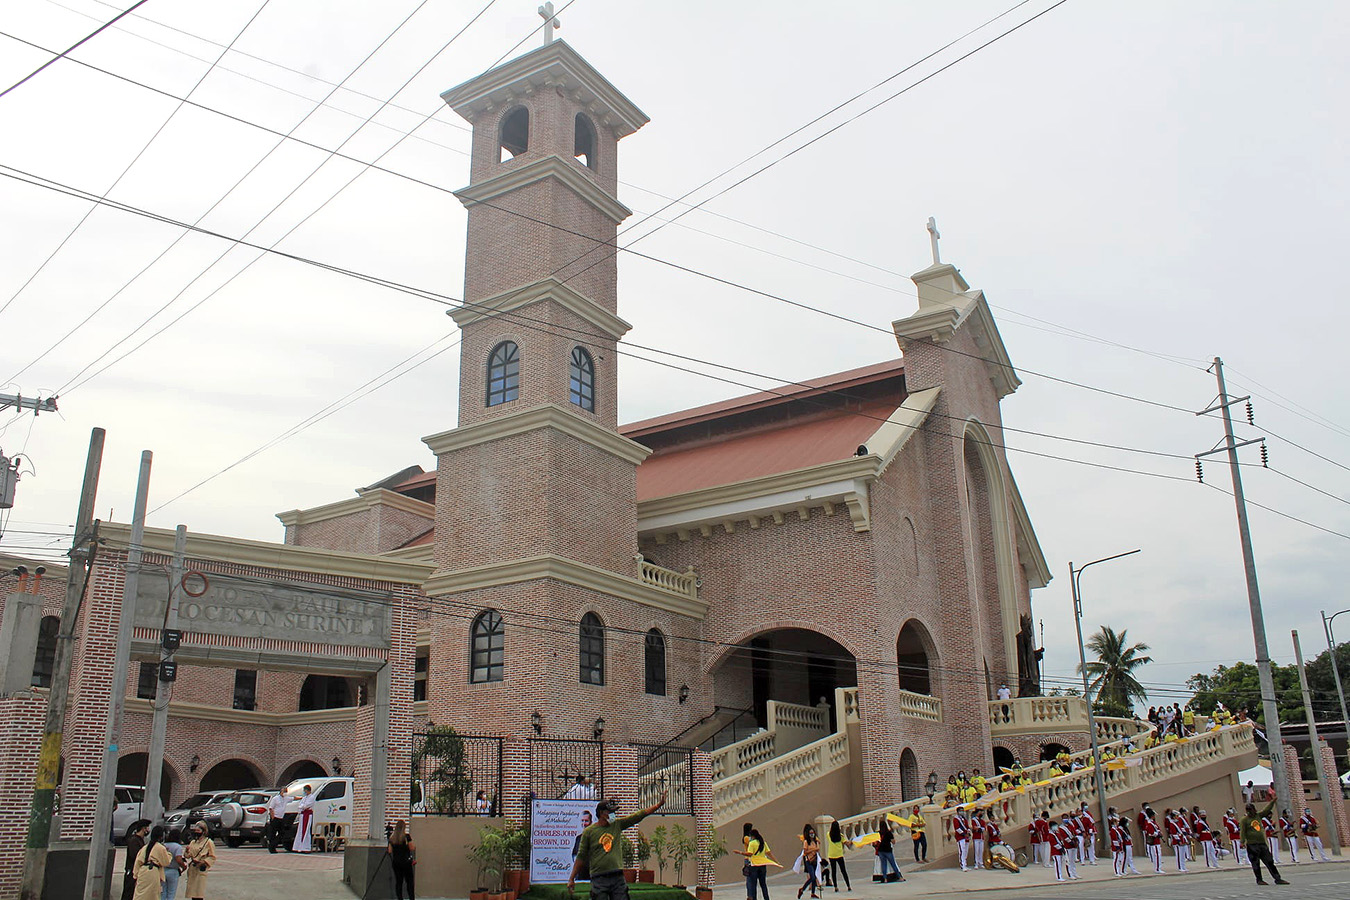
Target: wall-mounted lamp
<point>537,722</point>
<point>684,693</point>
<point>598,731</point>
<point>931,784</point>
<point>337,766</point>
<point>194,763</point>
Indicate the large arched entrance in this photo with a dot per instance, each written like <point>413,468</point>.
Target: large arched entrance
<point>1003,759</point>
<point>1051,750</point>
<point>231,775</point>
<point>132,769</point>
<point>304,768</point>
<point>789,665</point>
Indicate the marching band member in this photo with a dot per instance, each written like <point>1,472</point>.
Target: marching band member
<point>1075,849</point>
<point>1230,825</point>
<point>1088,846</point>
<point>1034,835</point>
<point>1117,847</point>
<point>1272,837</point>
<point>1152,839</point>
<point>1206,838</point>
<point>1044,824</point>
<point>1176,836</point>
<point>977,839</point>
<point>1287,829</point>
<point>994,836</point>
<point>1124,824</point>
<point>961,833</point>
<point>1308,825</point>
<point>1070,842</point>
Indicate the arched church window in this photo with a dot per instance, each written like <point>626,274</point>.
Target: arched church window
<point>592,649</point>
<point>45,659</point>
<point>486,647</point>
<point>581,380</point>
<point>325,692</point>
<point>654,670</point>
<point>584,142</point>
<point>503,375</point>
<point>515,133</point>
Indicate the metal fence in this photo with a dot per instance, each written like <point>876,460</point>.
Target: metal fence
<point>556,763</point>
<point>450,771</point>
<point>662,767</point>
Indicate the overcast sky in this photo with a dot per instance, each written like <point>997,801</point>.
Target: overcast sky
<point>1168,177</point>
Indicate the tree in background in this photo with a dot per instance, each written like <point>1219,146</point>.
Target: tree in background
<point>1112,674</point>
<point>1238,687</point>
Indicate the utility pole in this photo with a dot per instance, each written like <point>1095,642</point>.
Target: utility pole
<point>1272,714</point>
<point>82,551</point>
<point>1323,783</point>
<point>94,886</point>
<point>1335,669</point>
<point>152,808</point>
<point>19,401</point>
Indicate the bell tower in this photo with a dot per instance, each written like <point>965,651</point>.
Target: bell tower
<point>536,467</point>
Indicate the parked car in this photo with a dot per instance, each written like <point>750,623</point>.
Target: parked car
<point>332,801</point>
<point>190,810</point>
<point>239,817</point>
<point>127,800</point>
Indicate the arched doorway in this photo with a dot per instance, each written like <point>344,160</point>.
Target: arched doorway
<point>915,659</point>
<point>1050,751</point>
<point>231,775</point>
<point>909,775</point>
<point>132,769</point>
<point>304,768</point>
<point>1003,759</point>
<point>992,544</point>
<point>789,665</point>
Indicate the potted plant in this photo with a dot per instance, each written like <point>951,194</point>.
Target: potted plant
<point>713,848</point>
<point>660,847</point>
<point>492,847</point>
<point>643,851</point>
<point>480,856</point>
<point>515,845</point>
<point>629,861</point>
<point>681,848</point>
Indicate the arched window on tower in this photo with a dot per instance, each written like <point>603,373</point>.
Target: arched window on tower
<point>581,381</point>
<point>654,671</point>
<point>592,649</point>
<point>584,142</point>
<point>45,659</point>
<point>486,653</point>
<point>515,134</point>
<point>503,374</point>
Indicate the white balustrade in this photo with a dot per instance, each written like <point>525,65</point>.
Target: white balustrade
<point>743,754</point>
<point>753,787</point>
<point>683,583</point>
<point>920,706</point>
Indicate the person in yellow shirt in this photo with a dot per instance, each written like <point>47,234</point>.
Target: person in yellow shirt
<point>981,785</point>
<point>916,831</point>
<point>1188,719</point>
<point>759,857</point>
<point>1055,770</point>
<point>834,853</point>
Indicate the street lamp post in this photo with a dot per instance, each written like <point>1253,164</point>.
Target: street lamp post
<point>1335,669</point>
<point>1074,576</point>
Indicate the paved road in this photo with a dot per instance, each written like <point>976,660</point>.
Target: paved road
<point>1306,883</point>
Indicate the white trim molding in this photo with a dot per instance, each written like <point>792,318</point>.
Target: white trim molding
<point>548,415</point>
<point>546,289</point>
<point>566,172</point>
<point>363,501</point>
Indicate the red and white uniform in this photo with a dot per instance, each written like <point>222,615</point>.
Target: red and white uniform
<point>1272,839</point>
<point>1206,838</point>
<point>1114,836</point>
<point>1088,845</point>
<point>1308,825</point>
<point>961,832</point>
<point>1153,842</point>
<point>992,833</point>
<point>1129,845</point>
<point>1230,825</point>
<point>1043,829</point>
<point>1062,844</point>
<point>977,830</point>
<point>1176,836</point>
<point>1287,829</point>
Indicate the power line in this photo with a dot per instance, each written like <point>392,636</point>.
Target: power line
<point>116,181</point>
<point>1285,515</point>
<point>1309,486</point>
<point>62,55</point>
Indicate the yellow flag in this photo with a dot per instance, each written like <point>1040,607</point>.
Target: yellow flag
<point>872,838</point>
<point>897,820</point>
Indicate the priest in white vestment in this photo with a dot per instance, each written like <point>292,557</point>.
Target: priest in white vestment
<point>304,823</point>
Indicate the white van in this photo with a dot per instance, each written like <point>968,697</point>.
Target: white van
<point>333,801</point>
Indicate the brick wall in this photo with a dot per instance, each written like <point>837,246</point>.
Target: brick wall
<point>21,723</point>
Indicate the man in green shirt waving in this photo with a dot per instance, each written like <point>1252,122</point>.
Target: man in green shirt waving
<point>1254,836</point>
<point>601,850</point>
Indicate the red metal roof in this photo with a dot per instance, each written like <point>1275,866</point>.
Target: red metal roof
<point>422,539</point>
<point>415,481</point>
<point>838,381</point>
<point>796,445</point>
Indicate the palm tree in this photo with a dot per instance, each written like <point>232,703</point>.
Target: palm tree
<point>1113,682</point>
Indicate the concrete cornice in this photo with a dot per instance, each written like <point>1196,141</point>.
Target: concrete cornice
<point>272,556</point>
<point>548,415</point>
<point>557,65</point>
<point>1028,547</point>
<point>547,289</point>
<point>360,503</point>
<point>422,553</point>
<point>567,571</point>
<point>568,172</point>
<point>244,716</point>
<point>888,440</point>
<point>843,480</point>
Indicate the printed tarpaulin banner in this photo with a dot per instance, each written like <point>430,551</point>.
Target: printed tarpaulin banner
<point>555,831</point>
